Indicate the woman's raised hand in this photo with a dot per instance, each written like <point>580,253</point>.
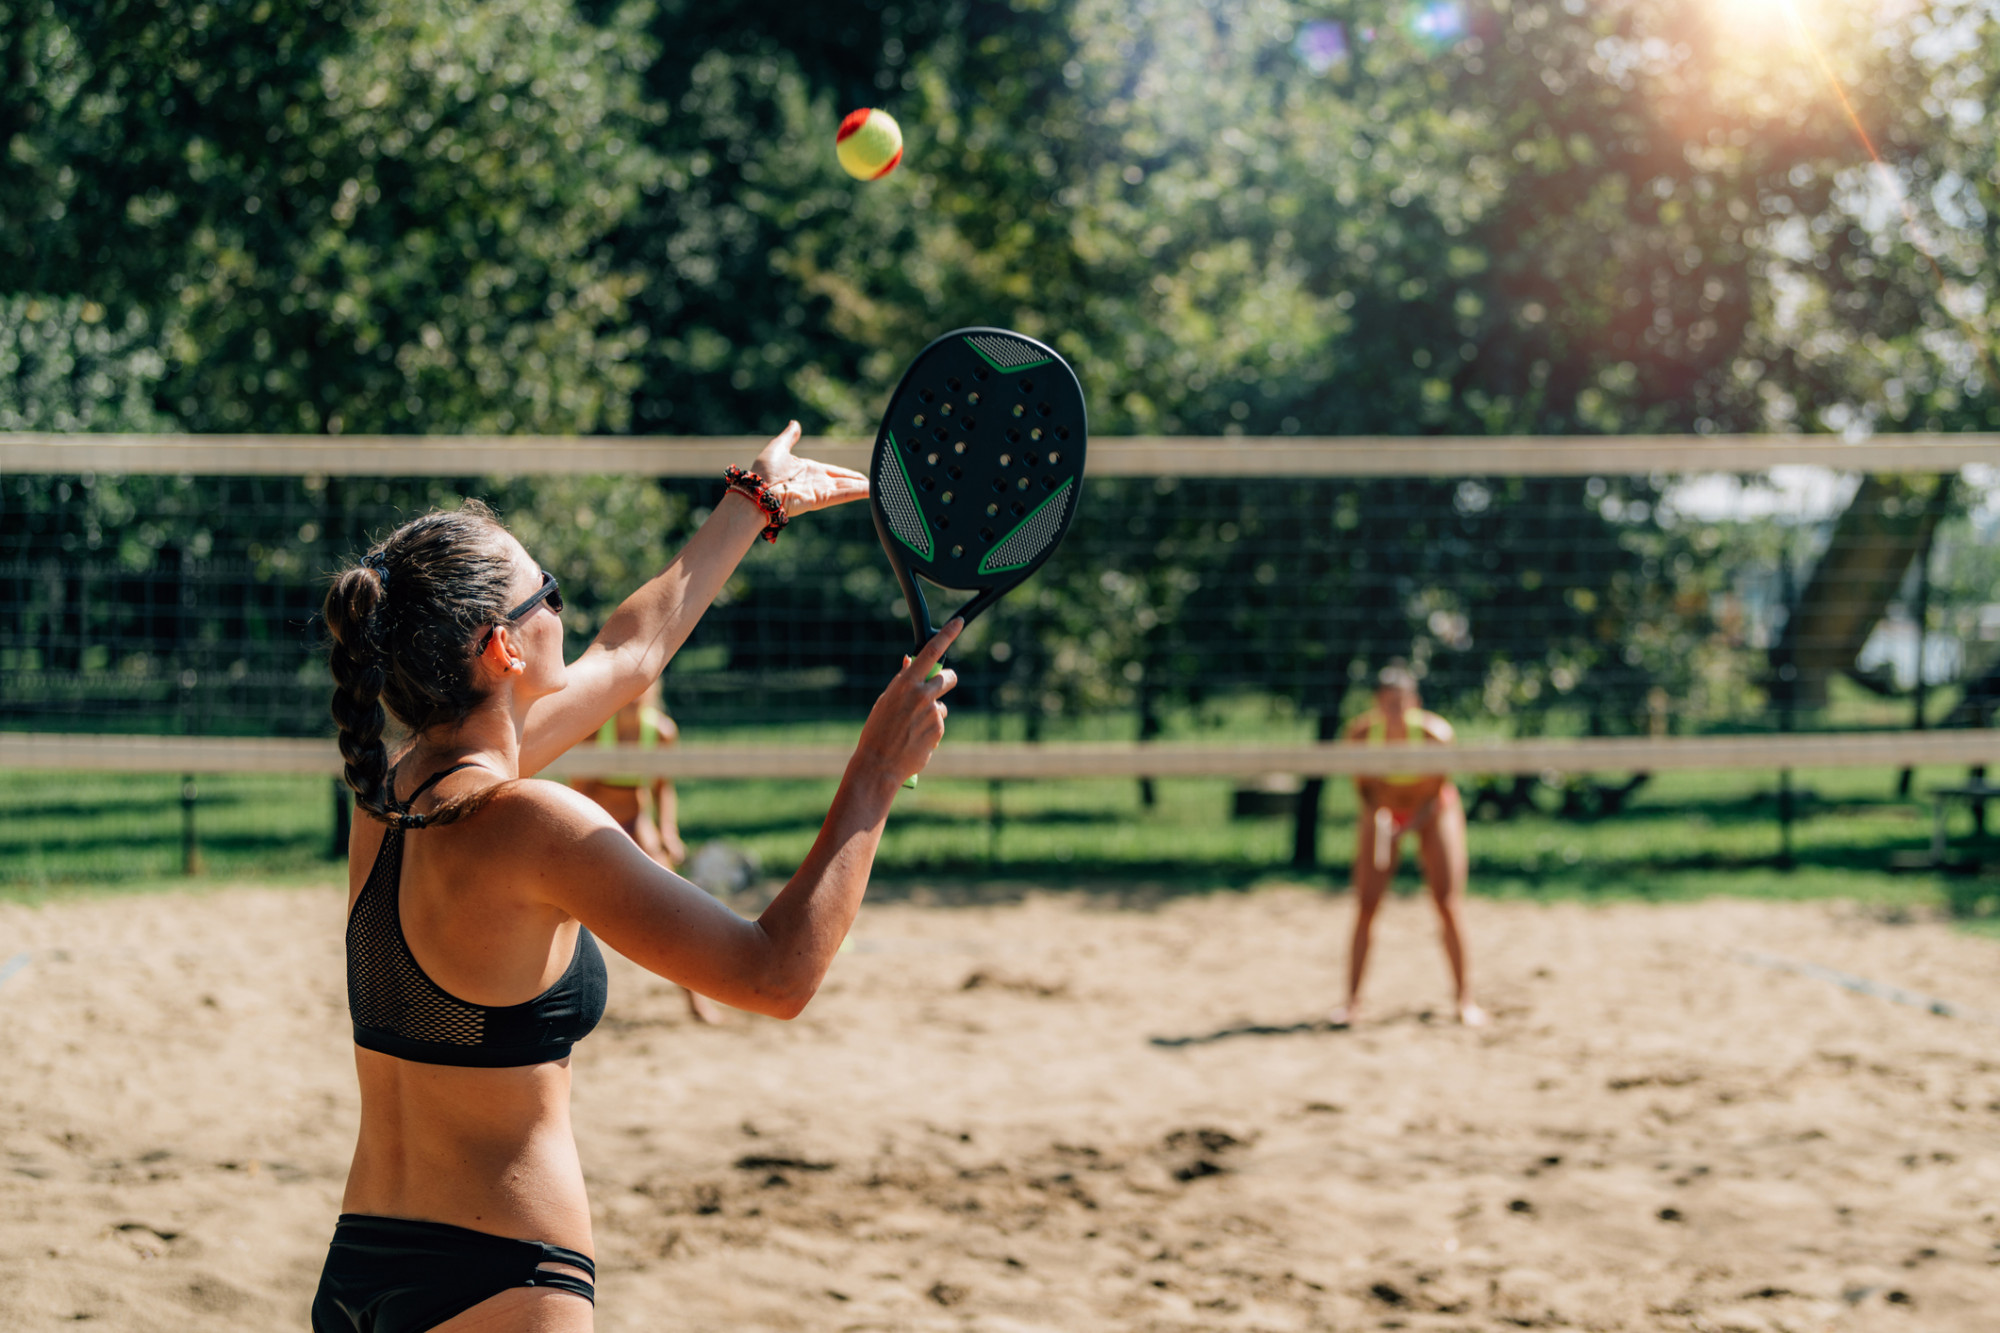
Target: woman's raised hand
<point>801,484</point>
<point>907,722</point>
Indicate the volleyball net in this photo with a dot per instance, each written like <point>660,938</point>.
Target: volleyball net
<point>1627,604</point>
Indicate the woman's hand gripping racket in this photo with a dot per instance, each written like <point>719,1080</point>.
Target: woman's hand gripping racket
<point>978,468</point>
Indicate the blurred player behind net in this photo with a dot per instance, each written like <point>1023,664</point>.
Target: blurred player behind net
<point>1424,804</point>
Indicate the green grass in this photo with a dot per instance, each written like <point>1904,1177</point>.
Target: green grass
<point>1684,836</point>
<point>63,831</point>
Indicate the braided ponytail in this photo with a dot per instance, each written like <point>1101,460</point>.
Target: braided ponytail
<point>403,623</point>
<point>358,677</point>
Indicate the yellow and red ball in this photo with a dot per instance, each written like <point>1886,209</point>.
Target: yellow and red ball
<point>869,144</point>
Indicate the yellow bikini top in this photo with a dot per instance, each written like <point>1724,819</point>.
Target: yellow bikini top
<point>1378,734</point>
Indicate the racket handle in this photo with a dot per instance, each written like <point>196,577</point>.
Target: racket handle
<point>911,781</point>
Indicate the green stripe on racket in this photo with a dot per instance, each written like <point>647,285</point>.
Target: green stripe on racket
<point>978,469</point>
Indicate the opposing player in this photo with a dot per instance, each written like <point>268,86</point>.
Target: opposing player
<point>1424,805</point>
<point>477,895</point>
<point>646,808</point>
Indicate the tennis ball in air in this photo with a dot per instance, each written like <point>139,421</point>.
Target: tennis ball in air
<point>869,144</point>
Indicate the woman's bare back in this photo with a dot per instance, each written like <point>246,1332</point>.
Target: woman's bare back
<point>486,1149</point>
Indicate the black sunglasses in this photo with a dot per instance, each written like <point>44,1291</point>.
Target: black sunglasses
<point>550,592</point>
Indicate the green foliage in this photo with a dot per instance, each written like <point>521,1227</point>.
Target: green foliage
<point>1545,226</point>
<point>1501,216</point>
<point>1877,308</point>
<point>65,367</point>
<point>379,218</point>
<point>600,536</point>
<point>1553,222</point>
<point>451,278</point>
<point>506,214</point>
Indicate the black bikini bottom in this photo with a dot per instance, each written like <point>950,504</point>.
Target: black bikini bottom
<point>388,1275</point>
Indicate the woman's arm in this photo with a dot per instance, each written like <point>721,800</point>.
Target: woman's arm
<point>651,625</point>
<point>1367,788</point>
<point>668,730</point>
<point>641,635</point>
<point>585,865</point>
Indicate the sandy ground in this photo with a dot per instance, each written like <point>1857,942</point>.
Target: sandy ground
<point>975,1127</point>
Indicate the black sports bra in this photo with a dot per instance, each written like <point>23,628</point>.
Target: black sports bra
<point>400,1011</point>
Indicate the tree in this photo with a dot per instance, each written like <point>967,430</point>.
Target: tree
<point>339,216</point>
<point>1267,217</point>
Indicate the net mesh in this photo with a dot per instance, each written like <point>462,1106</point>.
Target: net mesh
<point>1537,606</point>
<point>1191,611</point>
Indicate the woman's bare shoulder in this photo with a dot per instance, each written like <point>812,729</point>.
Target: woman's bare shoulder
<point>1437,728</point>
<point>561,848</point>
<point>536,808</point>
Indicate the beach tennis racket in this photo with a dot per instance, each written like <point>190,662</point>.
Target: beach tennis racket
<point>978,468</point>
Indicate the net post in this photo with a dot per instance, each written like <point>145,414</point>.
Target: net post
<point>1149,729</point>
<point>1786,677</point>
<point>190,848</point>
<point>993,818</point>
<point>1920,696</point>
<point>1305,832</point>
<point>1920,692</point>
<point>1785,861</point>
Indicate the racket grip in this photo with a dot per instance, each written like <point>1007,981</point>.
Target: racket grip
<point>911,781</point>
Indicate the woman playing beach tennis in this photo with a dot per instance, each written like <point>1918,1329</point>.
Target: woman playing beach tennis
<point>1426,805</point>
<point>477,895</point>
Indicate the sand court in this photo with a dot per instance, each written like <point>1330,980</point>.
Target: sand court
<point>1069,1112</point>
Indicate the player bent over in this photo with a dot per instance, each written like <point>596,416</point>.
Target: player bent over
<point>1426,805</point>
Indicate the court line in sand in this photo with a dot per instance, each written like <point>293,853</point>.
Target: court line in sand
<point>1863,986</point>
<point>13,965</point>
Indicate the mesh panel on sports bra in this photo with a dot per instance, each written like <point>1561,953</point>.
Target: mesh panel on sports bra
<point>385,987</point>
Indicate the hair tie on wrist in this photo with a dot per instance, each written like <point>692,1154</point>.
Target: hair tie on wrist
<point>758,491</point>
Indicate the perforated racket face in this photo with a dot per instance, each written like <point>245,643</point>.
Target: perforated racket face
<point>979,461</point>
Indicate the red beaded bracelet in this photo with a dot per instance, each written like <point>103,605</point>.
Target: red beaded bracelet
<point>758,490</point>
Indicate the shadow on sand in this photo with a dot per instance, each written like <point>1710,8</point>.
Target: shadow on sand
<point>1246,1030</point>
